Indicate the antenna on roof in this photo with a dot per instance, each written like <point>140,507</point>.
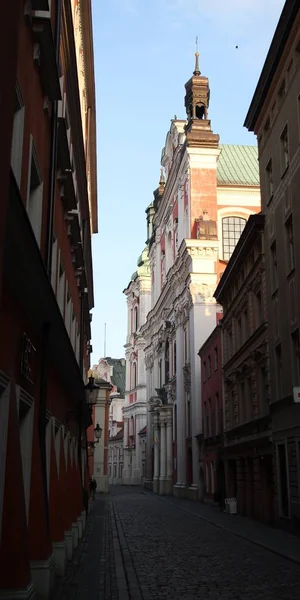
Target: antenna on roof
<point>104,340</point>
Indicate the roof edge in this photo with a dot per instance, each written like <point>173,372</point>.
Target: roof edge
<point>286,19</point>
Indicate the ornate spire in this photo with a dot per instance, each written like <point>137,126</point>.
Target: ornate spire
<point>197,70</point>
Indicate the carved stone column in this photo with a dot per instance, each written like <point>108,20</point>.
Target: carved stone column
<point>169,440</point>
<point>163,457</point>
<point>156,454</point>
<point>180,488</point>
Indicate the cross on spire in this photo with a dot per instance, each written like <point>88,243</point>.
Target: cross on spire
<point>197,70</point>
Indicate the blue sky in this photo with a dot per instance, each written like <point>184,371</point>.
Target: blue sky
<point>144,54</point>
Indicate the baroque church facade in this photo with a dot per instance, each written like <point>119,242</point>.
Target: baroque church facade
<point>138,296</point>
<point>206,194</point>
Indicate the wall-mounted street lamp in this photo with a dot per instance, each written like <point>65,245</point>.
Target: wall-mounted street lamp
<point>91,390</point>
<point>98,433</point>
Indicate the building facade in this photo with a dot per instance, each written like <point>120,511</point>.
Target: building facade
<point>211,438</point>
<point>116,456</point>
<point>135,408</point>
<point>48,214</point>
<point>274,117</point>
<point>109,374</point>
<point>248,449</point>
<point>204,199</point>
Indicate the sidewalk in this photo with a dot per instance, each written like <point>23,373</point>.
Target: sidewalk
<point>280,542</point>
<point>91,572</point>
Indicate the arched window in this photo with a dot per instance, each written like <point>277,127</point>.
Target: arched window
<point>169,252</point>
<point>232,228</point>
<point>133,376</point>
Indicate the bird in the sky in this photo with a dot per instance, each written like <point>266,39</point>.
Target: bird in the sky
<point>236,47</point>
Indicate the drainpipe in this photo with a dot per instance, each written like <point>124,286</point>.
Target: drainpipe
<point>53,150</point>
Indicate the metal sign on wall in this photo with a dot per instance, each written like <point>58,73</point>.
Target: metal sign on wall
<point>27,358</point>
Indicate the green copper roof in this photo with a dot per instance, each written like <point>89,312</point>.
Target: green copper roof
<point>238,165</point>
<point>119,372</point>
<point>134,276</point>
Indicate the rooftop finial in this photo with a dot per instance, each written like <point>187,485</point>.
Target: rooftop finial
<point>162,180</point>
<point>197,70</point>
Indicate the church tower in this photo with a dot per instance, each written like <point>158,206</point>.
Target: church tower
<point>202,146</point>
<point>198,128</point>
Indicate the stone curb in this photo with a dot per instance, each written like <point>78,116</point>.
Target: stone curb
<point>283,554</point>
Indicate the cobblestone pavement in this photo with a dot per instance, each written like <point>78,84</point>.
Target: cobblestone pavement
<point>139,547</point>
<point>171,554</point>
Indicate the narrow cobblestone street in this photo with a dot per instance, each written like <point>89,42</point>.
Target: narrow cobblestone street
<point>139,547</point>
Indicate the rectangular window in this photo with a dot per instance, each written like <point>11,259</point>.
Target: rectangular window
<point>269,180</point>
<point>35,194</point>
<point>217,415</point>
<point>209,418</point>
<point>296,357</point>
<point>284,149</point>
<point>204,371</point>
<point>216,358</point>
<point>120,471</point>
<point>273,111</point>
<point>267,125</point>
<point>17,135</point>
<point>208,367</point>
<point>290,244</point>
<point>274,270</point>
<point>258,309</point>
<point>278,362</point>
<point>284,501</point>
<point>281,91</point>
<point>290,71</point>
